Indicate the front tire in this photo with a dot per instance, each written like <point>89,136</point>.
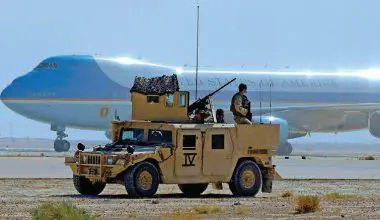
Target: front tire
<point>61,145</point>
<point>193,190</point>
<point>246,180</point>
<point>142,180</point>
<point>85,187</point>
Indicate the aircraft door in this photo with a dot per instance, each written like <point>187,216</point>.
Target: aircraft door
<point>189,153</point>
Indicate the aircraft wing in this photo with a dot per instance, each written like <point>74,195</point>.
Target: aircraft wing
<point>324,118</point>
<point>342,107</point>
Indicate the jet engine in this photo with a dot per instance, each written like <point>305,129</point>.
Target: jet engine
<point>285,148</point>
<point>374,124</point>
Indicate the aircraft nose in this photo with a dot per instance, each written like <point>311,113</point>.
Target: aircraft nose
<point>13,93</point>
<point>5,95</point>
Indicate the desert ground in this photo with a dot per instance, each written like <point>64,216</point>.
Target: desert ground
<point>348,188</point>
<point>358,199</point>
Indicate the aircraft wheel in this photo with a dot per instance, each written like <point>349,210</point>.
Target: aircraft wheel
<point>61,145</point>
<point>246,180</point>
<point>193,190</point>
<point>85,187</point>
<point>142,180</point>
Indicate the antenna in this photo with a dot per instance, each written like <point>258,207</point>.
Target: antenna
<point>270,99</point>
<point>260,102</point>
<point>196,68</point>
<point>116,116</point>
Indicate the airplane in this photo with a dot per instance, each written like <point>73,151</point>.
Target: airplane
<point>85,92</point>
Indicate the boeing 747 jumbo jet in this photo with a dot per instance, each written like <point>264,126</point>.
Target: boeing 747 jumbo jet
<point>84,92</point>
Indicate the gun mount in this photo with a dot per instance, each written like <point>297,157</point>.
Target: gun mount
<point>200,105</point>
<point>159,99</point>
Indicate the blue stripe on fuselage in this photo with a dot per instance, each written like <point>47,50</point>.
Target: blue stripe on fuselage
<point>225,97</point>
<point>73,77</point>
<point>295,97</point>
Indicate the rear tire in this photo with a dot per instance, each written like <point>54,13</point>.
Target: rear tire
<point>232,187</point>
<point>142,180</point>
<point>85,187</point>
<point>193,190</point>
<point>246,180</point>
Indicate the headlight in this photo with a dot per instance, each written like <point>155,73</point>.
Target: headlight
<point>109,161</point>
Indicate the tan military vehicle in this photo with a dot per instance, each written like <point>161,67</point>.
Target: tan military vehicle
<point>169,141</point>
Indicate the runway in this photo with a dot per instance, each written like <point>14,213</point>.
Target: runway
<point>292,168</point>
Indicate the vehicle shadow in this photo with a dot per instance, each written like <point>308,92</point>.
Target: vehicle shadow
<point>157,196</point>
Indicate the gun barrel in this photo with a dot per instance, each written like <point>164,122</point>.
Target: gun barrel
<point>211,94</point>
<point>202,100</point>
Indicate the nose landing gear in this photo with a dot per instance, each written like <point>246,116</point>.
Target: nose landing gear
<point>61,145</point>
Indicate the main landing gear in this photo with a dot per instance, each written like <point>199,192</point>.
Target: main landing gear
<point>61,145</point>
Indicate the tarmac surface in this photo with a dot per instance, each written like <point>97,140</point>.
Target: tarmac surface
<point>292,168</point>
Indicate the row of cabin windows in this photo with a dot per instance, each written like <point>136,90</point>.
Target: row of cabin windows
<point>217,141</point>
<point>169,99</point>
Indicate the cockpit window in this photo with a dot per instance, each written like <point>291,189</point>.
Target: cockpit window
<point>47,65</point>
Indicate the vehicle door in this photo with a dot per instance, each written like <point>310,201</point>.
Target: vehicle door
<point>189,153</point>
<point>217,152</point>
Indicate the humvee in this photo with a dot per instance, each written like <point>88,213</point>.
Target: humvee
<point>166,143</point>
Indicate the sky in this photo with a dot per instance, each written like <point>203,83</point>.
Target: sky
<point>251,34</point>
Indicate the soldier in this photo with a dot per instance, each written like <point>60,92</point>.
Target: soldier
<point>200,116</point>
<point>219,115</point>
<point>240,106</point>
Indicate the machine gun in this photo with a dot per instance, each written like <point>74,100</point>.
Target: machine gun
<point>200,104</point>
<point>249,113</point>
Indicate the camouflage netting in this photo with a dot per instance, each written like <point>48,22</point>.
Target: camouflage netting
<point>156,85</point>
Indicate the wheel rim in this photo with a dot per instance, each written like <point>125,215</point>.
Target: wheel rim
<point>145,180</point>
<point>248,178</point>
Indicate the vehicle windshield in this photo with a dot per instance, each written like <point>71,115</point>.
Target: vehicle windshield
<point>132,134</point>
<point>160,136</point>
<point>136,135</point>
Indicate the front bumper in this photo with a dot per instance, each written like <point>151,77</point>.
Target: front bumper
<point>94,167</point>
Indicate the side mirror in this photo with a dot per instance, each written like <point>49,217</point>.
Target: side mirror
<point>130,149</point>
<point>80,146</point>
